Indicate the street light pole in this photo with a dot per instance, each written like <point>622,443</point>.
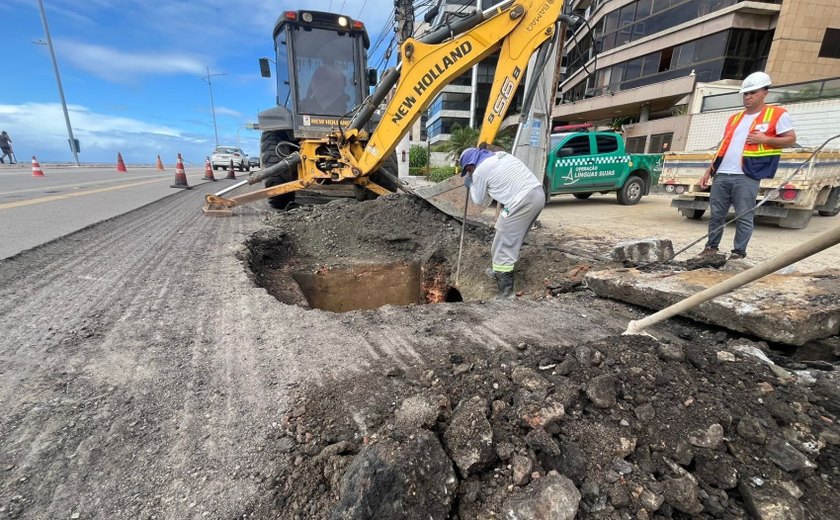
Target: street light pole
<point>58,81</point>
<point>212,104</point>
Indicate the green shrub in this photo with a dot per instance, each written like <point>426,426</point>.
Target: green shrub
<point>418,156</point>
<point>421,171</point>
<point>440,173</point>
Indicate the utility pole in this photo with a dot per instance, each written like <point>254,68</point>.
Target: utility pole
<point>404,27</point>
<point>404,16</point>
<point>58,81</point>
<point>212,104</point>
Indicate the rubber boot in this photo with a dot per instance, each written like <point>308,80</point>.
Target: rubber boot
<point>505,283</point>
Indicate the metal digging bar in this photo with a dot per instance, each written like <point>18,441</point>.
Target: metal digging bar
<point>653,265</point>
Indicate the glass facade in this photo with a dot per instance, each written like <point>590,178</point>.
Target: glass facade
<point>736,51</point>
<point>731,54</point>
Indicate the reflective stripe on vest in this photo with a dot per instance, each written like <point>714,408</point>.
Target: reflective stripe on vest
<point>763,150</point>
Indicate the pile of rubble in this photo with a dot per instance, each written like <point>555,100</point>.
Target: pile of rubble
<point>623,428</point>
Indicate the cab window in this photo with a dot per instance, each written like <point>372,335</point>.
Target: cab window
<point>606,143</point>
<point>579,145</point>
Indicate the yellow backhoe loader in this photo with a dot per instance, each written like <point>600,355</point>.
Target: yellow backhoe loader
<point>338,141</point>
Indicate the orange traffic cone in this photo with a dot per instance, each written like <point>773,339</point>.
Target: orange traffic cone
<point>36,168</point>
<point>208,171</point>
<point>159,165</point>
<point>180,175</point>
<point>230,174</point>
<point>120,163</point>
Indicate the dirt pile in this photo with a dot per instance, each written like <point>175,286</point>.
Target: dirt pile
<point>627,428</point>
<point>622,428</point>
<point>401,228</point>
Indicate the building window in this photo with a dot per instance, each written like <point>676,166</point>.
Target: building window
<point>831,44</point>
<point>661,143</point>
<point>636,144</point>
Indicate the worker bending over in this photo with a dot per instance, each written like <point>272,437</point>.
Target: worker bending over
<point>502,177</point>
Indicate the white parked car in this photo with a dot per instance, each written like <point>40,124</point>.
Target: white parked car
<point>222,156</point>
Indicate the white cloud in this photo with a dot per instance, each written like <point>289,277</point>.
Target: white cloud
<point>39,129</point>
<point>222,111</point>
<point>120,66</point>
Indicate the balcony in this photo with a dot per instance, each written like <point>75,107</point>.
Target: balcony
<point>659,96</point>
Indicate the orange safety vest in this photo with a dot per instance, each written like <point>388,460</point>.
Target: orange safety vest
<point>759,161</point>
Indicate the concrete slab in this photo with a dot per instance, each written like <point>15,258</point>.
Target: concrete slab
<point>785,308</point>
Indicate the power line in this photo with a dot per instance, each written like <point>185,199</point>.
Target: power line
<point>362,9</point>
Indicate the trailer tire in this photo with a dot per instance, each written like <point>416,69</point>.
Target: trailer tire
<point>269,157</point>
<point>632,191</point>
<point>361,193</point>
<point>693,214</point>
<point>834,197</point>
<point>582,196</point>
<point>796,219</point>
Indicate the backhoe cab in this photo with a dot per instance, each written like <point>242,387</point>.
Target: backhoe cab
<point>321,76</point>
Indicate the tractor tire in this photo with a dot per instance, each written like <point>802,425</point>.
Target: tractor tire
<point>632,191</point>
<point>361,193</point>
<point>796,219</point>
<point>833,197</point>
<point>269,157</point>
<point>582,196</point>
<point>693,214</point>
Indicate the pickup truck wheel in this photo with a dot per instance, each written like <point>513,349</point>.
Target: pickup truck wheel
<point>361,193</point>
<point>269,157</point>
<point>833,197</point>
<point>796,219</point>
<point>582,196</point>
<point>631,192</point>
<point>693,214</point>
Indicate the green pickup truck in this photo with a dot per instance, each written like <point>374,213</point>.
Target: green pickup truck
<point>583,163</point>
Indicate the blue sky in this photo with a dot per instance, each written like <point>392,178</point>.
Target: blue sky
<point>132,74</point>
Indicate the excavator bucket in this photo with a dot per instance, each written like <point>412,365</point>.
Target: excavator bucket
<point>449,196</point>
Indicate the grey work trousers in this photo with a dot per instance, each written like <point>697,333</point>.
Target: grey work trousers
<point>739,191</point>
<point>512,228</point>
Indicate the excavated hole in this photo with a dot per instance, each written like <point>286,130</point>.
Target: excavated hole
<point>362,287</point>
<point>347,284</point>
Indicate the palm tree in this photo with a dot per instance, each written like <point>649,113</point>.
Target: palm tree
<point>461,138</point>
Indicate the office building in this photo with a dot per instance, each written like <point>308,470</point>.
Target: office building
<point>641,60</point>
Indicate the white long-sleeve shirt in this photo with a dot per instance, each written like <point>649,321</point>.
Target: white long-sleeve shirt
<point>504,178</point>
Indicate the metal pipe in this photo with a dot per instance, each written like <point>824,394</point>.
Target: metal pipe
<point>815,245</point>
<point>231,188</point>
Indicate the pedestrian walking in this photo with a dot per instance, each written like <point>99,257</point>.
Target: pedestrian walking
<point>750,151</point>
<point>502,177</point>
<point>6,148</point>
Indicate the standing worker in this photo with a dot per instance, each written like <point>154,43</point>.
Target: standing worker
<point>502,177</point>
<point>750,151</point>
<point>6,148</point>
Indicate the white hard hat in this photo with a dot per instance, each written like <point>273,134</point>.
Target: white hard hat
<point>755,81</point>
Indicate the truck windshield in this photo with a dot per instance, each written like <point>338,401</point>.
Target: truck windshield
<point>327,82</point>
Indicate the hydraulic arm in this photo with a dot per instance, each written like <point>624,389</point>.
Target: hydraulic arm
<point>516,29</point>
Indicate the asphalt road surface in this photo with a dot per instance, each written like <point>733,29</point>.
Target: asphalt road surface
<point>35,210</point>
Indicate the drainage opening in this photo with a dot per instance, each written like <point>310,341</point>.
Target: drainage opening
<point>369,286</point>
